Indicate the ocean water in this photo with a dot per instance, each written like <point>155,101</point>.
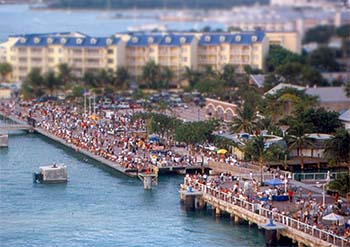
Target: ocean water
<point>98,207</point>
<point>19,19</point>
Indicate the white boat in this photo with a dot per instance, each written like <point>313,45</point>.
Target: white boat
<point>55,173</point>
<point>4,139</point>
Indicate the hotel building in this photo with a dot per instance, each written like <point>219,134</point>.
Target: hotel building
<point>176,50</point>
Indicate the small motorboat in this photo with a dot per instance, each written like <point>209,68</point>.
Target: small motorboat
<point>55,173</point>
<point>4,139</point>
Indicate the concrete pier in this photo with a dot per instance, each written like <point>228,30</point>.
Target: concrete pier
<point>148,180</point>
<point>282,225</point>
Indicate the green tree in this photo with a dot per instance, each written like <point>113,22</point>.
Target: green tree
<point>297,139</point>
<point>337,149</point>
<point>51,81</point>
<point>90,79</point>
<point>228,75</point>
<point>245,120</point>
<point>319,34</point>
<point>194,132</point>
<point>323,59</point>
<point>35,83</point>
<point>151,74</point>
<point>341,184</point>
<point>278,56</point>
<point>257,150</point>
<point>122,78</point>
<point>65,75</point>
<point>192,76</point>
<point>5,70</point>
<point>167,75</point>
<point>321,120</point>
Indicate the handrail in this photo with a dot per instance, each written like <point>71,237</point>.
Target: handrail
<point>280,218</point>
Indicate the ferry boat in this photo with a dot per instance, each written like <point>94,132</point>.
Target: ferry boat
<point>55,173</point>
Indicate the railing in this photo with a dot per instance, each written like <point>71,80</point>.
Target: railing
<point>225,198</point>
<point>315,176</point>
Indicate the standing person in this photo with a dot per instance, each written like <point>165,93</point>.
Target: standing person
<point>290,195</point>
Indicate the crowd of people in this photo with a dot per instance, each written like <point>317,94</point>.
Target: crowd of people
<point>114,137</point>
<point>304,208</point>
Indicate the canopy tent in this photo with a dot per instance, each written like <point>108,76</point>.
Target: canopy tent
<point>334,218</point>
<point>274,182</point>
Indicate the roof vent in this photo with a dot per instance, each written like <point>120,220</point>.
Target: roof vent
<point>183,40</point>
<point>168,40</point>
<point>109,41</point>
<point>135,39</point>
<point>79,41</point>
<point>63,41</point>
<point>93,41</point>
<point>254,38</point>
<point>238,38</point>
<point>36,40</point>
<point>222,38</point>
<point>49,40</point>
<point>150,40</point>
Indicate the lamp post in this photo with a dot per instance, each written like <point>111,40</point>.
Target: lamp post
<point>285,185</point>
<point>323,189</point>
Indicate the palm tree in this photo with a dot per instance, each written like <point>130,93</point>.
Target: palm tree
<point>337,149</point>
<point>122,78</point>
<point>64,74</point>
<point>5,70</point>
<point>228,75</point>
<point>245,120</point>
<point>35,81</point>
<point>51,81</point>
<point>151,74</point>
<point>192,76</point>
<point>167,76</point>
<point>297,139</point>
<point>255,148</point>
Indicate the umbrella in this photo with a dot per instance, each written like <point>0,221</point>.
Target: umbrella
<point>273,182</point>
<point>221,151</point>
<point>334,217</point>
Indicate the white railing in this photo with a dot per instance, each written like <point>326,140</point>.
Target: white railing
<point>225,198</point>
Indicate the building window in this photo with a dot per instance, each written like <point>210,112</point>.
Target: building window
<point>110,61</point>
<point>184,59</point>
<point>51,60</point>
<point>110,51</point>
<point>51,50</point>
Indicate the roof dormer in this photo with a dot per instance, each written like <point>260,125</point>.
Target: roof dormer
<point>36,40</point>
<point>238,38</point>
<point>93,41</point>
<point>168,40</point>
<point>207,38</point>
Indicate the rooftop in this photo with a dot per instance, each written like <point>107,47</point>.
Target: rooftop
<point>328,94</point>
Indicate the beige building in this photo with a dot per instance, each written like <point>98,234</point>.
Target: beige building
<point>289,40</point>
<point>174,50</point>
<point>46,51</point>
<point>239,49</point>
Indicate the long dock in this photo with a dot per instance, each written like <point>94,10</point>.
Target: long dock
<point>240,209</point>
<point>100,159</point>
<point>22,125</point>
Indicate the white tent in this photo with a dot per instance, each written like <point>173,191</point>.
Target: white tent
<point>335,218</point>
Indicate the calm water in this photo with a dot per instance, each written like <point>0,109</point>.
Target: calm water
<point>97,207</point>
<point>17,19</point>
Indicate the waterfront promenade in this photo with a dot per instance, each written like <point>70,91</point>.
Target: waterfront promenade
<point>241,206</point>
